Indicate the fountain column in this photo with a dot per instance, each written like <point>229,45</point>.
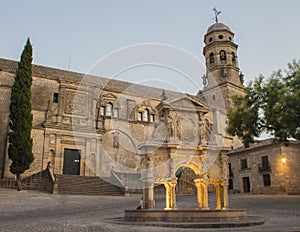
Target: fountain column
<point>198,183</point>
<point>225,194</point>
<point>205,193</point>
<point>170,186</point>
<point>218,196</point>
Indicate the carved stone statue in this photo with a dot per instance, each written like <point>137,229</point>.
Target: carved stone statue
<point>205,131</point>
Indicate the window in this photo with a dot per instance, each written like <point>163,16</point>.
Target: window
<point>210,39</point>
<point>244,164</point>
<point>265,165</point>
<point>140,115</point>
<point>222,55</point>
<point>116,112</point>
<point>267,179</point>
<point>230,170</point>
<point>230,184</point>
<point>214,97</point>
<point>152,118</point>
<point>109,107</point>
<point>265,161</point>
<point>221,36</point>
<point>55,98</point>
<point>211,58</point>
<point>146,115</point>
<point>102,110</point>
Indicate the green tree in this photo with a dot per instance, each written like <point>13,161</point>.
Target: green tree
<point>270,106</point>
<point>20,141</point>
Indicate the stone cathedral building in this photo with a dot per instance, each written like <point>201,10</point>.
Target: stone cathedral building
<point>93,126</point>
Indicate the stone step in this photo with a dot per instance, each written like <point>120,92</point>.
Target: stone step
<point>86,185</point>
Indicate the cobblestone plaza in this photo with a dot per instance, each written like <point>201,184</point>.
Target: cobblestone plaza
<point>36,211</point>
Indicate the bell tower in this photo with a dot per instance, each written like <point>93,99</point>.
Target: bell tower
<point>223,78</point>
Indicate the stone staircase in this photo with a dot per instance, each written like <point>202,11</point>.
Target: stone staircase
<point>86,185</point>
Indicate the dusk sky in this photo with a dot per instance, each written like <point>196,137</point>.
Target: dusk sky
<point>75,35</point>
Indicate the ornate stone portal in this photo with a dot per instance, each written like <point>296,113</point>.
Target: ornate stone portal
<point>179,141</point>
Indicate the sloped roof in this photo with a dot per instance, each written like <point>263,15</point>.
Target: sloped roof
<point>101,82</point>
<point>259,144</point>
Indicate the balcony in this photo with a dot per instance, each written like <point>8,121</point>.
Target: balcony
<point>266,167</point>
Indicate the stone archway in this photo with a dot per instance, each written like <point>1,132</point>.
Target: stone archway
<point>185,181</point>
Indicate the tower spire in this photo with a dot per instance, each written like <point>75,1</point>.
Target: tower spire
<point>216,14</point>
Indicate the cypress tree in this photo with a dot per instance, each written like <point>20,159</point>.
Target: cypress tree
<point>20,141</point>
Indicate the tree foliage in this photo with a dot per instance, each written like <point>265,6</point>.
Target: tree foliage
<point>20,141</point>
<point>271,105</point>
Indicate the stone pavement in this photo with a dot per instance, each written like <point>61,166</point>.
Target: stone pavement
<point>36,211</point>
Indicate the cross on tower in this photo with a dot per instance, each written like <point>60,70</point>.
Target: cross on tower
<point>216,14</point>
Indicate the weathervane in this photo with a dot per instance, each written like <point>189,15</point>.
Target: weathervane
<point>216,14</point>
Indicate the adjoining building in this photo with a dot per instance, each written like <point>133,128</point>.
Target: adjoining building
<point>265,167</point>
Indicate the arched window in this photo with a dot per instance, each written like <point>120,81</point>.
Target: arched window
<point>222,55</point>
<point>109,107</point>
<point>146,115</point>
<point>102,110</point>
<point>211,58</point>
<point>140,114</point>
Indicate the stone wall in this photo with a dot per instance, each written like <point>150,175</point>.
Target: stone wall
<point>6,80</point>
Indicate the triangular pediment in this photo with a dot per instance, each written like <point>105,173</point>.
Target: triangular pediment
<point>187,101</point>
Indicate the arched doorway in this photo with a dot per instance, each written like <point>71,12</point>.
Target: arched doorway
<point>186,190</point>
<point>185,181</point>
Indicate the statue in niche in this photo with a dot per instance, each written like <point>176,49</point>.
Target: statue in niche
<point>205,131</point>
<point>170,127</point>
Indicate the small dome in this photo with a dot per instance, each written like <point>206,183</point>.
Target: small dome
<point>217,27</point>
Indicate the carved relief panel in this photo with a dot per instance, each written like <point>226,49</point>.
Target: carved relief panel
<point>75,103</point>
